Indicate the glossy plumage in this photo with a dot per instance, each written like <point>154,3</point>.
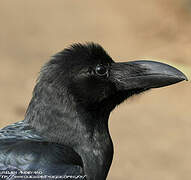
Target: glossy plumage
<point>65,129</point>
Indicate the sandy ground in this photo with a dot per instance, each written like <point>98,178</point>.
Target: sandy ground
<point>151,132</point>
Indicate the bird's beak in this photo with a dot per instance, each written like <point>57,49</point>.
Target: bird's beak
<point>144,74</point>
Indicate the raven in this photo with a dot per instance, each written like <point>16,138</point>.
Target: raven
<point>65,130</point>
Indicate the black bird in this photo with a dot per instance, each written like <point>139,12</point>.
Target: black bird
<point>65,130</point>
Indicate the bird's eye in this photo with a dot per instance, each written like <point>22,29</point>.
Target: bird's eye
<point>101,70</point>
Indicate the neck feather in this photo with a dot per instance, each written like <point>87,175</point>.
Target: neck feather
<point>62,121</point>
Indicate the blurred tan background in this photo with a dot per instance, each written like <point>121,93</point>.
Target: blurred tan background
<point>151,132</point>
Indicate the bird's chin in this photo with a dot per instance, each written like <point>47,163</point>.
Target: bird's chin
<point>135,91</point>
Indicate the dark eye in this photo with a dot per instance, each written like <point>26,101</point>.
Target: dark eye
<point>101,70</point>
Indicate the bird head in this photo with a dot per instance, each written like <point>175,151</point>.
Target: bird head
<point>95,81</point>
